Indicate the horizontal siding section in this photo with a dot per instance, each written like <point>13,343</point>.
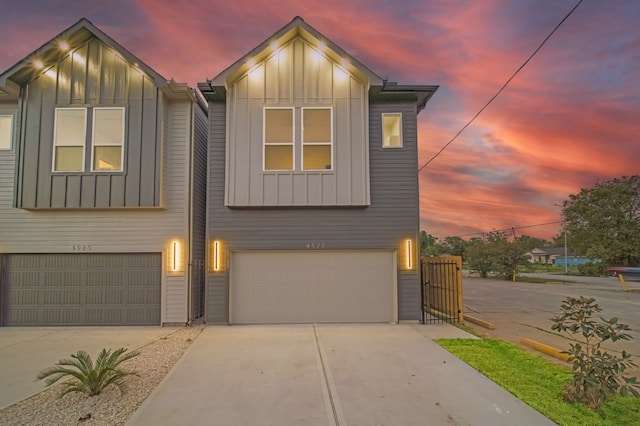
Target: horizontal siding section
<point>392,217</point>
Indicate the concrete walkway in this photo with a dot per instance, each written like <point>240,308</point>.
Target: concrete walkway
<point>25,351</point>
<point>329,375</point>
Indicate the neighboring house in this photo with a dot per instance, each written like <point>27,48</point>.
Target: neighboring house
<point>313,201</point>
<point>547,255</point>
<point>102,188</point>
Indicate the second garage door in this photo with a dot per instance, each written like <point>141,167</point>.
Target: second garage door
<point>280,287</point>
<point>81,289</point>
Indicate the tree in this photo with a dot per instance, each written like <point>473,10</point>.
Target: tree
<point>455,246</point>
<point>603,222</point>
<point>532,242</point>
<point>428,244</point>
<point>498,255</point>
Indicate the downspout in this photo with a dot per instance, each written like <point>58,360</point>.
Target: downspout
<point>190,213</point>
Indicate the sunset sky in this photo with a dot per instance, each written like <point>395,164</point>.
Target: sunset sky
<point>571,118</point>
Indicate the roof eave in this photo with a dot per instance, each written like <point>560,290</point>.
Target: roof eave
<point>78,33</point>
<point>297,27</point>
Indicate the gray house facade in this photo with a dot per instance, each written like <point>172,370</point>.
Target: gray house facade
<point>102,188</point>
<point>313,199</point>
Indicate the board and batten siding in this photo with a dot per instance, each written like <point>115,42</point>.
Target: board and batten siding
<point>92,75</point>
<point>112,230</point>
<point>297,75</point>
<point>392,217</point>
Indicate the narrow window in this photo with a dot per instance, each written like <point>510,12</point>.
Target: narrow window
<point>69,139</point>
<point>6,130</point>
<point>278,138</point>
<point>108,139</point>
<point>317,139</point>
<point>392,130</point>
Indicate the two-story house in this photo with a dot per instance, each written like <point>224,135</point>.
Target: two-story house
<point>313,201</point>
<point>102,188</point>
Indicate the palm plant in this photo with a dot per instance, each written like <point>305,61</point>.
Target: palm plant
<point>87,377</point>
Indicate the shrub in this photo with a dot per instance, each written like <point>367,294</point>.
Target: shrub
<point>87,377</point>
<point>592,269</point>
<point>597,375</point>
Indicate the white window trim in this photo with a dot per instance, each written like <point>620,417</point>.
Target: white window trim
<point>292,143</point>
<point>11,131</point>
<point>55,145</point>
<point>93,145</point>
<point>401,131</point>
<point>302,142</point>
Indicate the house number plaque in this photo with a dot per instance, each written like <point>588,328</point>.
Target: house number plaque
<point>81,247</point>
<point>314,245</point>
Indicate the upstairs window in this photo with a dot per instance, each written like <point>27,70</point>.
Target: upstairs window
<point>278,138</point>
<point>107,126</point>
<point>69,139</point>
<point>314,141</point>
<point>6,131</point>
<point>317,139</point>
<point>108,139</point>
<point>392,130</point>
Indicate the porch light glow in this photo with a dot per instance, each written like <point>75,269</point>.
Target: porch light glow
<point>409,253</point>
<point>175,254</point>
<point>216,256</point>
<point>38,64</point>
<point>63,45</point>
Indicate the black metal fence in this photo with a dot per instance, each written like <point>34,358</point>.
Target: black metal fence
<point>441,289</point>
<point>197,289</point>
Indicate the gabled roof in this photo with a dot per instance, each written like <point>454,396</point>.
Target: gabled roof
<point>215,88</point>
<point>52,52</point>
<point>296,28</point>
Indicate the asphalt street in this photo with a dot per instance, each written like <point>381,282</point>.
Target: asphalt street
<point>524,310</point>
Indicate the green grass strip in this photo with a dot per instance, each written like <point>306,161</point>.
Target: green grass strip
<point>538,382</point>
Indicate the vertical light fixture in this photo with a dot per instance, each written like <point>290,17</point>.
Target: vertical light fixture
<point>216,256</point>
<point>409,253</point>
<point>174,260</point>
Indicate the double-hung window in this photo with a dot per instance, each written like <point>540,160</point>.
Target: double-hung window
<point>316,139</point>
<point>6,131</point>
<point>106,143</point>
<point>69,139</point>
<point>314,143</point>
<point>392,130</point>
<point>278,138</point>
<point>108,139</point>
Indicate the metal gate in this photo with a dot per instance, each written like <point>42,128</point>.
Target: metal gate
<point>441,289</point>
<point>197,290</point>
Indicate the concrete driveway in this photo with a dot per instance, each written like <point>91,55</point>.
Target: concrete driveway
<point>329,375</point>
<point>25,351</point>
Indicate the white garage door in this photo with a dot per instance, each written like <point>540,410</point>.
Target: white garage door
<point>280,287</point>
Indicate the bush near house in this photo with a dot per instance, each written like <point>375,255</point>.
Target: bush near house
<point>87,377</point>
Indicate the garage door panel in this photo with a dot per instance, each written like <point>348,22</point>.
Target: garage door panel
<point>81,289</point>
<point>308,287</point>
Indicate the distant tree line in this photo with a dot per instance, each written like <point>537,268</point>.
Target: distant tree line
<point>602,223</point>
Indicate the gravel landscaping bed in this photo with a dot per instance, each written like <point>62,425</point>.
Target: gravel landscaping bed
<point>108,408</point>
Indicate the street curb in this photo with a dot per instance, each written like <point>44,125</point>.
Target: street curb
<point>545,349</point>
<point>479,322</point>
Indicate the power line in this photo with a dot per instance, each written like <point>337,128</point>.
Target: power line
<point>502,88</point>
<point>510,229</point>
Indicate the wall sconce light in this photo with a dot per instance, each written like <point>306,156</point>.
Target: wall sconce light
<point>216,256</point>
<point>409,253</point>
<point>175,256</point>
